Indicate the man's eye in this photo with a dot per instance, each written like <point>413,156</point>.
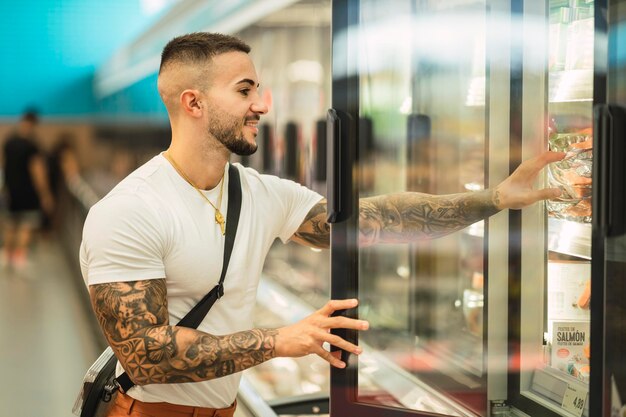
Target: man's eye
<point>245,91</point>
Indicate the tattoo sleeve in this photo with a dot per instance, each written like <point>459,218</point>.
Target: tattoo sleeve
<point>407,217</point>
<point>135,321</point>
<point>403,217</point>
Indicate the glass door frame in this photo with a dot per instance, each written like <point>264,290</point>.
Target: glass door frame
<point>343,195</point>
<point>597,387</point>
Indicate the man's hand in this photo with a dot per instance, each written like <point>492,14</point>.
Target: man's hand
<point>308,335</point>
<point>516,191</point>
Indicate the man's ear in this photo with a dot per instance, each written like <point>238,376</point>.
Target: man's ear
<point>190,103</point>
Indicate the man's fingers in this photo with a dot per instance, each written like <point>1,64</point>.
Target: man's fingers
<point>532,197</point>
<point>545,194</point>
<point>532,166</point>
<point>329,357</point>
<point>341,343</point>
<point>334,305</point>
<point>549,157</point>
<point>341,322</point>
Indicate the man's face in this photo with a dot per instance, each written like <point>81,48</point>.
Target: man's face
<point>234,103</point>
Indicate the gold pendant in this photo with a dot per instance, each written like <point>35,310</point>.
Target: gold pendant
<point>219,219</point>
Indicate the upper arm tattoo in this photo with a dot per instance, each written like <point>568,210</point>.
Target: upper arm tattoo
<point>135,321</point>
<point>406,217</point>
<point>314,230</point>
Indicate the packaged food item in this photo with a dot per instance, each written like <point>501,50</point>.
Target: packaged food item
<point>572,175</point>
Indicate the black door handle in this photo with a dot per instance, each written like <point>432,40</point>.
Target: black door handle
<point>339,167</point>
<point>610,169</point>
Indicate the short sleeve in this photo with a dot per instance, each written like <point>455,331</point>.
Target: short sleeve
<point>123,240</point>
<point>294,203</point>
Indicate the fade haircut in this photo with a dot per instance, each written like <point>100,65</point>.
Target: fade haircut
<point>199,47</point>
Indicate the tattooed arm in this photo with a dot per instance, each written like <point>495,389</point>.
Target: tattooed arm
<point>402,217</point>
<point>135,321</point>
<point>406,217</point>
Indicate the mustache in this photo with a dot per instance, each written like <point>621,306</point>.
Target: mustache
<point>255,117</point>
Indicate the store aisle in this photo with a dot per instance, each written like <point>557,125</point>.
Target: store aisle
<point>46,339</point>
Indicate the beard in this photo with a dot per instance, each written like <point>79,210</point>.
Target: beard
<point>228,131</point>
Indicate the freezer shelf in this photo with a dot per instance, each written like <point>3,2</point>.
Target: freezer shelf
<point>553,387</point>
<point>569,238</point>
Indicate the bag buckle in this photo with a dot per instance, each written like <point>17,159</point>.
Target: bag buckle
<point>220,290</point>
<point>109,390</point>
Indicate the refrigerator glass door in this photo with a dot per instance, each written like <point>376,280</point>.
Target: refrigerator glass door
<point>554,324</point>
<point>422,128</point>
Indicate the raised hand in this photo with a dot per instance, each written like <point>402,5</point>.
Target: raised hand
<point>517,192</point>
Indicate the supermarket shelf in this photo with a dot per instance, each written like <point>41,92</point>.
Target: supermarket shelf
<point>569,238</point>
<point>549,387</point>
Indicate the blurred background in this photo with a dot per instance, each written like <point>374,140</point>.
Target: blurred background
<point>442,96</point>
<point>78,85</point>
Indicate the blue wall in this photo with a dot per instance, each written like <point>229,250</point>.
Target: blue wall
<point>139,100</point>
<point>49,50</point>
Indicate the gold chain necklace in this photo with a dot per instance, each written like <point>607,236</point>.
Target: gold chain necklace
<point>219,218</point>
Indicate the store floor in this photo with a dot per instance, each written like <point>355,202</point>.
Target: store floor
<point>46,340</point>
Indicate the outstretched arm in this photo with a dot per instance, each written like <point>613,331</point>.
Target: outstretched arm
<point>134,318</point>
<point>407,217</point>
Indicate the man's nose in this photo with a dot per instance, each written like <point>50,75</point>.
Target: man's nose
<point>259,107</point>
<point>263,103</point>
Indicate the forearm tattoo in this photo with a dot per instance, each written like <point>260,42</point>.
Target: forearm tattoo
<point>135,321</point>
<point>403,217</point>
<point>314,230</point>
<point>407,217</point>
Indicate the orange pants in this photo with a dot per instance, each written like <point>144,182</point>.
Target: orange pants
<point>125,406</point>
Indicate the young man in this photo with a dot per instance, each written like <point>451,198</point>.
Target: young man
<point>153,246</point>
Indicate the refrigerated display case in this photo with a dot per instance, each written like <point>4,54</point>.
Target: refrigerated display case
<point>441,97</point>
<point>421,80</point>
<point>518,315</point>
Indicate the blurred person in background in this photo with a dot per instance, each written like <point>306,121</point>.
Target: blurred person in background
<point>153,246</point>
<point>27,190</point>
<point>62,168</point>
<point>117,165</point>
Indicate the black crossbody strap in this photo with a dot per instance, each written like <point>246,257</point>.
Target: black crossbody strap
<point>199,311</point>
<point>193,319</point>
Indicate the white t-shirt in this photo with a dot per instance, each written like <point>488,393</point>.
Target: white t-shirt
<point>154,225</point>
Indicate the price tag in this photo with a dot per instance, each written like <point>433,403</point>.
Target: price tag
<point>574,400</point>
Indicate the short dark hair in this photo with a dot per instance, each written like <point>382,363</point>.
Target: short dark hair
<point>200,46</point>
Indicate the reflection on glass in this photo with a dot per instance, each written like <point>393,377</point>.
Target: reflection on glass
<point>291,54</point>
<point>422,71</point>
<point>567,345</point>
